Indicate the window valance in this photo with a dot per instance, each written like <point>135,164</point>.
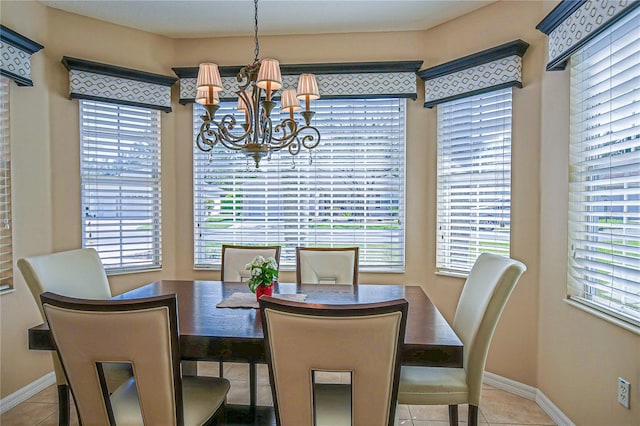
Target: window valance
<point>345,80</point>
<point>490,69</point>
<point>110,83</point>
<point>15,57</point>
<point>574,22</point>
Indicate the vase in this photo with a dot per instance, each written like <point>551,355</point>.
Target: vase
<point>263,289</point>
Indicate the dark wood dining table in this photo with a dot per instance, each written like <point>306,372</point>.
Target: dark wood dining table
<point>209,333</point>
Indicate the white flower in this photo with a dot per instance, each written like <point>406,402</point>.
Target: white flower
<point>248,266</point>
<point>256,271</point>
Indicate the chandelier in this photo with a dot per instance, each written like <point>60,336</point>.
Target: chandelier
<point>258,82</point>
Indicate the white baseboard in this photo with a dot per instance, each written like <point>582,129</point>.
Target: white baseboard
<point>27,392</point>
<point>552,410</point>
<point>511,386</point>
<point>530,393</point>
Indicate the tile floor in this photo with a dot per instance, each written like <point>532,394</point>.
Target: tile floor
<point>497,407</point>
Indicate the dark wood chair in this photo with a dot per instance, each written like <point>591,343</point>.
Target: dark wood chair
<point>316,265</point>
<point>143,333</point>
<point>234,259</point>
<point>362,342</point>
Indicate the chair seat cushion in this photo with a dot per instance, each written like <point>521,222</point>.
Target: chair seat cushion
<point>202,396</point>
<point>432,386</point>
<point>333,404</point>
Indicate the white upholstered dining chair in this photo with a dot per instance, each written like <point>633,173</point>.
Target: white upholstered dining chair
<point>304,340</point>
<point>235,258</point>
<point>89,334</point>
<point>484,296</point>
<point>315,265</point>
<point>75,273</point>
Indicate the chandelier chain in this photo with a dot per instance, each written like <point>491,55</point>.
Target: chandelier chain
<point>255,32</point>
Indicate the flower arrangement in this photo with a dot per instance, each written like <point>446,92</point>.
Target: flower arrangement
<point>263,271</point>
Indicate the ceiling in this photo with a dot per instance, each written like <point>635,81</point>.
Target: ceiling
<point>222,18</point>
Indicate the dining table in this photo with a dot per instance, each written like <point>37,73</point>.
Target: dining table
<point>212,333</point>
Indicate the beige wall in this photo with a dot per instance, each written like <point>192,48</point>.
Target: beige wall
<point>539,337</point>
<point>580,356</point>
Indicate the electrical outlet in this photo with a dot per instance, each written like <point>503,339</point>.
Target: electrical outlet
<point>623,392</point>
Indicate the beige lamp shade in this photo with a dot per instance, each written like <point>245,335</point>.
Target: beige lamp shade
<point>307,86</point>
<point>207,96</point>
<point>269,75</point>
<point>290,101</point>
<point>209,76</point>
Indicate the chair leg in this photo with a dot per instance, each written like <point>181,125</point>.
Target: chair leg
<point>64,406</point>
<point>253,386</point>
<point>473,415</point>
<point>453,415</point>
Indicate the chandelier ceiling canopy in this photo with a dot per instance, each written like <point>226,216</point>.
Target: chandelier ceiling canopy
<point>258,136</point>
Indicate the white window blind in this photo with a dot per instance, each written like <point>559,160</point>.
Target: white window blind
<point>604,190</point>
<point>120,168</point>
<point>474,179</point>
<point>6,257</point>
<point>351,193</point>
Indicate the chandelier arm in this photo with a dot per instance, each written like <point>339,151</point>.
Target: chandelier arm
<point>266,127</point>
<point>203,140</point>
<point>231,145</point>
<point>294,146</point>
<point>205,144</point>
<point>227,123</point>
<point>288,129</point>
<point>309,141</point>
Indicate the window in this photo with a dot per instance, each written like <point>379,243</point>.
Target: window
<point>6,256</point>
<point>604,187</point>
<point>474,179</point>
<point>348,191</point>
<point>120,181</point>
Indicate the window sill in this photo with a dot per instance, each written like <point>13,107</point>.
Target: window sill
<point>613,320</point>
<point>293,269</point>
<point>7,291</point>
<point>452,274</point>
<point>135,271</point>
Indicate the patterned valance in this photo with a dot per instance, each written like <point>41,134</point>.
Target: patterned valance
<point>346,80</point>
<point>480,72</point>
<point>574,22</point>
<point>109,83</point>
<point>15,56</point>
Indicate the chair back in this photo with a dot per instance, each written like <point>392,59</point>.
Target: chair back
<point>484,296</point>
<point>76,273</point>
<point>316,265</point>
<point>143,332</point>
<point>364,340</point>
<point>235,258</point>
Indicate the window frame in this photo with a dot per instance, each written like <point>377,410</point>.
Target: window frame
<point>462,125</point>
<point>6,275</point>
<point>584,202</point>
<point>285,160</point>
<point>115,131</point>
